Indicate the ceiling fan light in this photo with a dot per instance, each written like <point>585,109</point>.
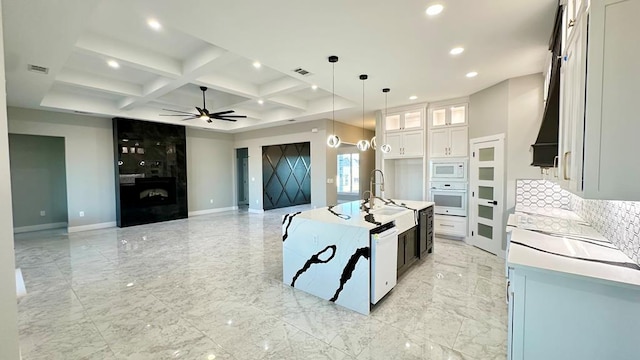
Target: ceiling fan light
<point>333,141</point>
<point>363,145</point>
<point>204,117</point>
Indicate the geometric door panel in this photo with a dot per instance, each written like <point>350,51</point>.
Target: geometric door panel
<point>286,175</point>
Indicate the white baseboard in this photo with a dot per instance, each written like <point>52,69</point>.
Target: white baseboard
<point>212,211</point>
<point>256,211</point>
<point>92,227</point>
<point>23,229</point>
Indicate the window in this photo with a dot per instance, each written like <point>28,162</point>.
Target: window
<point>349,173</point>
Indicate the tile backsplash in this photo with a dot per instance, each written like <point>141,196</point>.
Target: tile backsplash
<point>619,221</point>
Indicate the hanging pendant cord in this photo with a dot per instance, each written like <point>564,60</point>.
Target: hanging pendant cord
<point>204,105</point>
<point>363,109</point>
<point>333,91</point>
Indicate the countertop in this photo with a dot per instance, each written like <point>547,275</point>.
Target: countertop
<point>567,244</point>
<point>357,213</point>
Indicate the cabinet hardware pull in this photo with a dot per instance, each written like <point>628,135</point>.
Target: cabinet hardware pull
<point>572,22</point>
<point>446,225</point>
<point>555,165</point>
<point>564,165</point>
<point>494,202</point>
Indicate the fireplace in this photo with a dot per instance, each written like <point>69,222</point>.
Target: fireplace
<point>156,191</point>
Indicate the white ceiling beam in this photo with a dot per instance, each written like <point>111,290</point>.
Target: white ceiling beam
<point>289,102</point>
<point>221,83</point>
<point>281,86</point>
<point>91,81</point>
<point>133,56</point>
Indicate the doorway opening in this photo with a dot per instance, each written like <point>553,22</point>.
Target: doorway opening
<point>38,182</point>
<point>242,170</point>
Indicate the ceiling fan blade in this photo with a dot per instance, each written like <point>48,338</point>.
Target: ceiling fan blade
<point>200,112</point>
<point>177,111</point>
<point>223,112</point>
<point>189,118</point>
<point>232,116</point>
<point>225,119</point>
<point>176,114</point>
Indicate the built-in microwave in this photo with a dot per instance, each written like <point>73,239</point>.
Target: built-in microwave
<point>448,170</point>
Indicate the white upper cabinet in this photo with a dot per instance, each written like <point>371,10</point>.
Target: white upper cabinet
<point>449,142</point>
<point>404,120</point>
<point>600,84</point>
<point>404,132</point>
<point>451,115</point>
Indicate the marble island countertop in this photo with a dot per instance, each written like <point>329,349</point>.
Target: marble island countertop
<point>358,213</point>
<point>566,244</point>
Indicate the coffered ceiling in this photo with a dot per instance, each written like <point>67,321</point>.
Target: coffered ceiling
<point>216,43</point>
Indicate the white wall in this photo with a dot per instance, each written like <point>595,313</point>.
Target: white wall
<point>210,170</point>
<point>488,111</point>
<point>89,160</point>
<point>525,109</point>
<point>8,307</point>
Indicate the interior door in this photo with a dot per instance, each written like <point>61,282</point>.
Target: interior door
<point>245,182</point>
<point>487,193</point>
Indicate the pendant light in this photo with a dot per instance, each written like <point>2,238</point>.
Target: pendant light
<point>333,140</point>
<point>363,145</point>
<point>385,148</point>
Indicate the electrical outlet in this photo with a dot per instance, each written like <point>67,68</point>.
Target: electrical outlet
<point>315,239</point>
<point>42,213</point>
<point>211,201</point>
<point>257,201</point>
<point>81,214</point>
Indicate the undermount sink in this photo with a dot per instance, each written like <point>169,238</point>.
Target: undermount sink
<point>387,211</point>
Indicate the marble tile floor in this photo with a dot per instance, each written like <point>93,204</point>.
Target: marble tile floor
<point>209,287</point>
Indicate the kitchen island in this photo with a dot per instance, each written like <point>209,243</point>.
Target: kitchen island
<point>327,252</point>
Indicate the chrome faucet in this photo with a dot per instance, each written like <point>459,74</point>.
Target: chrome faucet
<point>372,184</point>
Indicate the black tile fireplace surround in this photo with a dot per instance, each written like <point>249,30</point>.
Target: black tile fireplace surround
<point>151,172</point>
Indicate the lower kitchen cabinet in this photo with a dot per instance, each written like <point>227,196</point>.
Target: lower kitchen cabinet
<point>562,316</point>
<point>407,250</point>
<point>425,232</point>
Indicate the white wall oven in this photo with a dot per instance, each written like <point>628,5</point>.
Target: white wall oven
<point>450,198</point>
<point>449,170</point>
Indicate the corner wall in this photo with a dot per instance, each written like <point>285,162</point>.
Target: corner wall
<point>88,158</point>
<point>513,107</point>
<point>210,171</point>
<point>9,346</point>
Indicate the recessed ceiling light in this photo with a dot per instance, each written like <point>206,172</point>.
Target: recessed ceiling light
<point>472,74</point>
<point>314,87</point>
<point>456,51</point>
<point>114,64</point>
<point>257,65</point>
<point>154,24</point>
<point>412,97</point>
<point>434,9</point>
<point>260,101</point>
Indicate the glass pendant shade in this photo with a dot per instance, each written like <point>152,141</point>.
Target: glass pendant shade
<point>385,148</point>
<point>363,145</point>
<point>333,141</point>
<point>374,145</point>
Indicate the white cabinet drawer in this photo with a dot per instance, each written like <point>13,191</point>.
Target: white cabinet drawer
<point>450,225</point>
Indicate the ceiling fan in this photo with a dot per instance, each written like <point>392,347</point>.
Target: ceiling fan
<point>204,113</point>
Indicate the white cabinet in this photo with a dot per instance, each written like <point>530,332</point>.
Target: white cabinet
<point>404,120</point>
<point>449,142</point>
<point>560,316</point>
<point>600,83</point>
<point>405,144</point>
<point>451,115</point>
<point>450,225</point>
